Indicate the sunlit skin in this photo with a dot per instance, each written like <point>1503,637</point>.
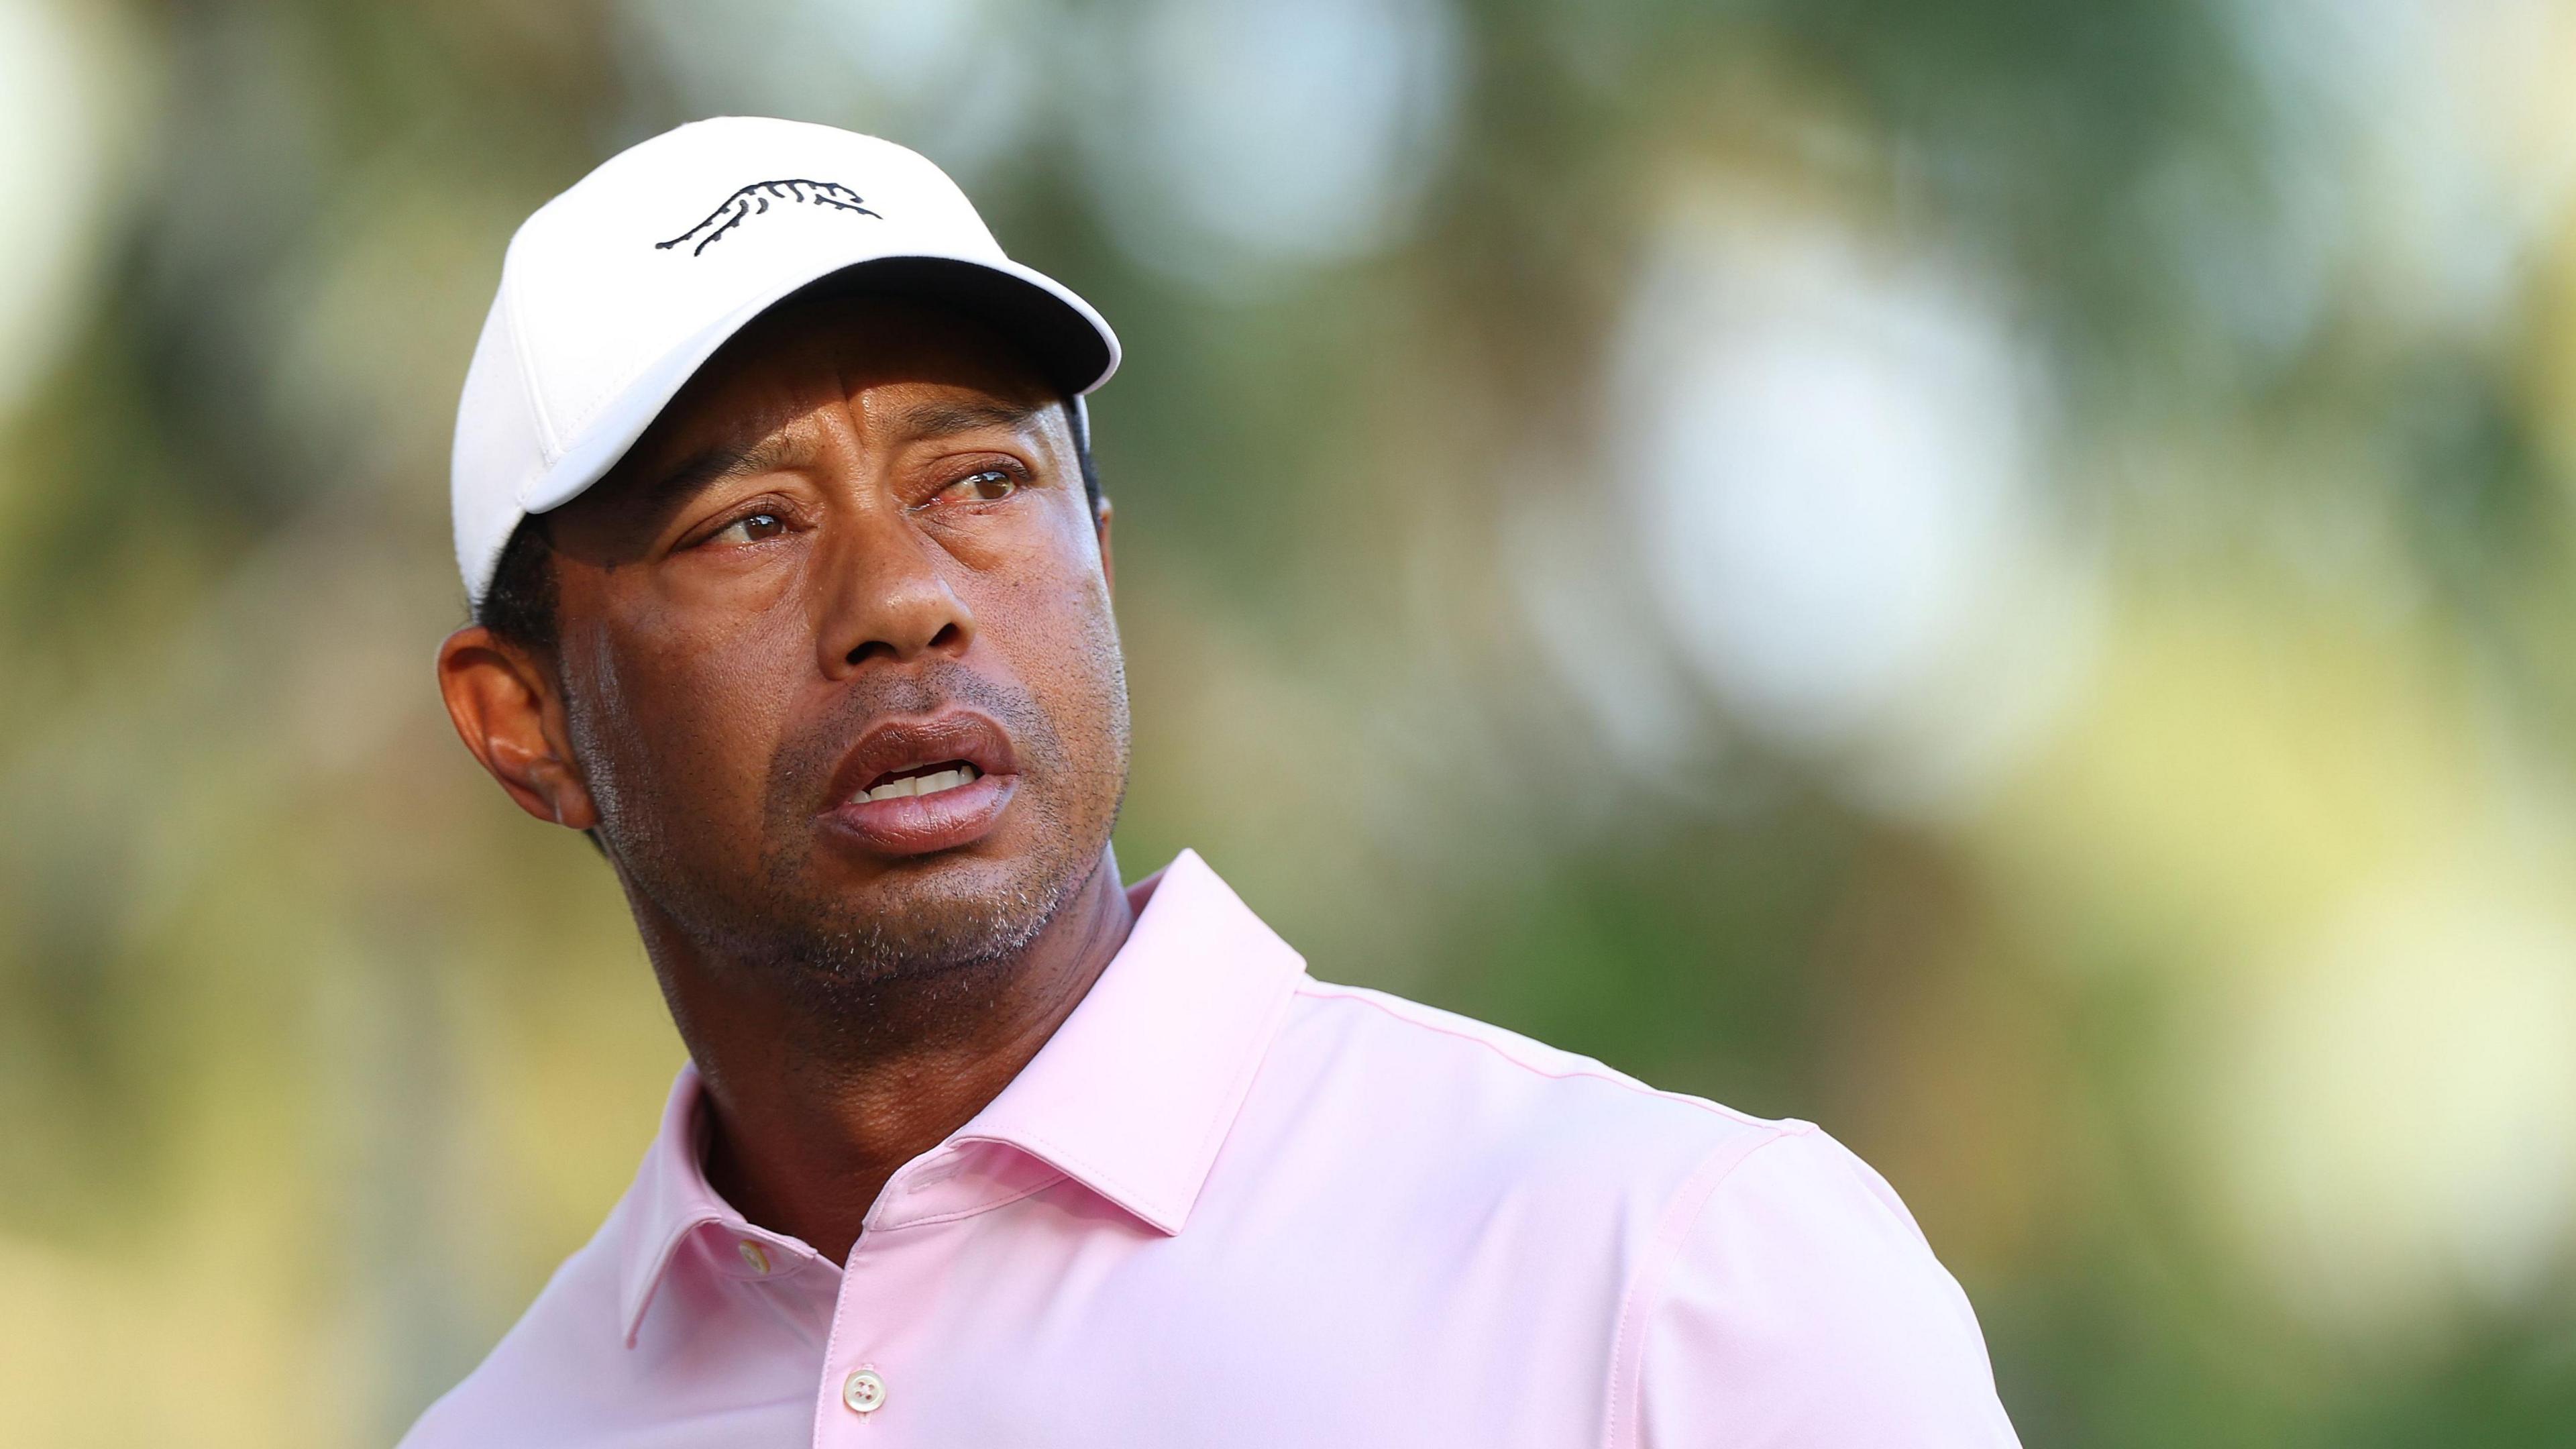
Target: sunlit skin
<point>857,543</point>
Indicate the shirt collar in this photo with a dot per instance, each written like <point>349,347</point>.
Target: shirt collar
<point>1131,1097</point>
<point>1134,1093</point>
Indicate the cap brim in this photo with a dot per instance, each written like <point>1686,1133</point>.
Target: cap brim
<point>1059,333</point>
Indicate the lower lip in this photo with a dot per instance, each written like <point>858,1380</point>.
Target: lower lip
<point>920,824</point>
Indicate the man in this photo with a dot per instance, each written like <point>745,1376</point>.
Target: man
<point>791,581</point>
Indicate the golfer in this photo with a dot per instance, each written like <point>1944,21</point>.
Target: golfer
<point>791,586</point>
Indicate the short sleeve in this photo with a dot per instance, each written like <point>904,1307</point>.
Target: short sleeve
<point>1801,1308</point>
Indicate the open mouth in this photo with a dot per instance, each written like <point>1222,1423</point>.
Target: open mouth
<point>913,780</point>
<point>912,787</point>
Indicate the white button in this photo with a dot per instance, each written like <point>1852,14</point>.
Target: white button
<point>757,1260</point>
<point>863,1391</point>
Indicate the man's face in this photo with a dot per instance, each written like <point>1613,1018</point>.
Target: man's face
<point>852,562</point>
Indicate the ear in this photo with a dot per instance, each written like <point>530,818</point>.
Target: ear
<point>508,710</point>
<point>1108,564</point>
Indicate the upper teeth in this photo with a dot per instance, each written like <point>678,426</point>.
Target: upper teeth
<point>930,784</point>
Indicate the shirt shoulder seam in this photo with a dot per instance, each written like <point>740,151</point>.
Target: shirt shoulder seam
<point>1597,1072</point>
<point>1682,1212</point>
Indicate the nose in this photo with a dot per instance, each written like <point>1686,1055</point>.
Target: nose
<point>885,598</point>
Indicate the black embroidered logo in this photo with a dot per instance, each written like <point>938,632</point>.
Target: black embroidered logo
<point>754,199</point>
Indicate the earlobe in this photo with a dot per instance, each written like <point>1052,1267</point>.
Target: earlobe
<point>506,708</point>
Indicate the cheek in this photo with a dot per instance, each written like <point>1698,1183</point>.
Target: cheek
<point>1055,629</point>
<point>685,726</point>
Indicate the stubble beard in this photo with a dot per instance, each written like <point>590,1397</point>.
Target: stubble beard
<point>839,959</point>
<point>941,930</point>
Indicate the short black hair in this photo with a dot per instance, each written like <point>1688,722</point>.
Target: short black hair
<point>520,603</point>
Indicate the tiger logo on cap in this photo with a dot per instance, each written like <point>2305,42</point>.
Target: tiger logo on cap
<point>752,200</point>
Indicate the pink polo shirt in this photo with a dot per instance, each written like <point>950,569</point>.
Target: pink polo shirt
<point>1230,1205</point>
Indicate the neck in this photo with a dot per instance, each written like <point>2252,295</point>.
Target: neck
<point>809,1118</point>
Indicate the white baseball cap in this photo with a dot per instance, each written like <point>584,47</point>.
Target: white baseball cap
<point>616,292</point>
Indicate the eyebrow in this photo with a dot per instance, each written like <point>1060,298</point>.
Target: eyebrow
<point>948,416</point>
<point>723,460</point>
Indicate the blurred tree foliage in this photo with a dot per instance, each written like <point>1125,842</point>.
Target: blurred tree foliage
<point>320,1057</point>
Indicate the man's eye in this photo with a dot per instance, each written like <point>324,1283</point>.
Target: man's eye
<point>988,486</point>
<point>750,529</point>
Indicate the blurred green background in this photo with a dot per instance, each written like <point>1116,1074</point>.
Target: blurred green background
<point>1993,574</point>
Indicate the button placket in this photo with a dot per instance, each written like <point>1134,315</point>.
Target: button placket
<point>861,1382</point>
<point>887,1279</point>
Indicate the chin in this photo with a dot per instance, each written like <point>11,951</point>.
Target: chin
<point>925,918</point>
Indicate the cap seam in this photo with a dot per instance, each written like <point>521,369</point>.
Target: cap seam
<point>549,440</point>
<point>588,413</point>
